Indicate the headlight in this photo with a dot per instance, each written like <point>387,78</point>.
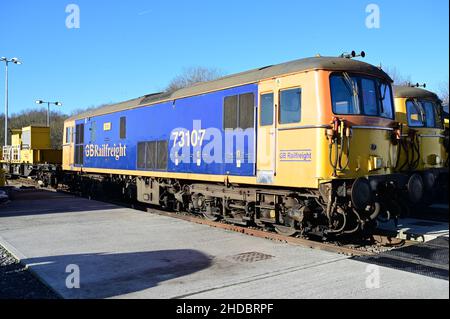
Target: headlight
<point>433,159</point>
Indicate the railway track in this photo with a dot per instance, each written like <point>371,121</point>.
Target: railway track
<point>350,249</point>
<point>370,245</point>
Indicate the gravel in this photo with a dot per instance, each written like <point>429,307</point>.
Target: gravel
<point>17,282</point>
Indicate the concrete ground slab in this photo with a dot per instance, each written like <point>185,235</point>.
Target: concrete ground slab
<point>124,253</point>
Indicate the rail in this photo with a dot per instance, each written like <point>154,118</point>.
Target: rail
<point>370,245</point>
<point>345,249</point>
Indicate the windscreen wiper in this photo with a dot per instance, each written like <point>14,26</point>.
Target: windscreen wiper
<point>354,88</point>
<point>383,95</point>
<point>420,111</point>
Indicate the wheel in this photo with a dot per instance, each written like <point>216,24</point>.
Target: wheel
<point>285,231</point>
<point>210,216</point>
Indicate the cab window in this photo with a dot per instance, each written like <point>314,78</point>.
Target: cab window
<point>267,109</point>
<point>68,135</point>
<point>432,117</point>
<point>415,114</point>
<point>342,96</point>
<point>290,106</point>
<point>361,95</point>
<point>386,100</point>
<point>369,95</point>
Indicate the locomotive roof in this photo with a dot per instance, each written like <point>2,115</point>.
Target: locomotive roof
<point>247,77</point>
<point>402,91</point>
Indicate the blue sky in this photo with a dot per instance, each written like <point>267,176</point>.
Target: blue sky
<point>124,49</point>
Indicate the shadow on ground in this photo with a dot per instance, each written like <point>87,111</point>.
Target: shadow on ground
<point>104,275</point>
<point>38,202</point>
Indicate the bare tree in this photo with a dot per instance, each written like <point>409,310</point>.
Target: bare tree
<point>443,94</point>
<point>193,75</point>
<point>36,118</point>
<point>398,78</point>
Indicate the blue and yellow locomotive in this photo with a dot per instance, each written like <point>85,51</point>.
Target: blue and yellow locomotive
<point>303,147</point>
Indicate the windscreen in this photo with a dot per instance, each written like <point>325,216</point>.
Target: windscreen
<point>361,95</point>
<point>432,114</point>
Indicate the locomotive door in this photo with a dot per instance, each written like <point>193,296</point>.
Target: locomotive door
<point>266,163</point>
<point>68,145</point>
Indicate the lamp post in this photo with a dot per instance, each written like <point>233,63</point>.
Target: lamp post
<point>48,108</point>
<point>7,61</point>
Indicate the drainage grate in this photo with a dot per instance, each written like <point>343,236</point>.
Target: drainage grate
<point>251,257</point>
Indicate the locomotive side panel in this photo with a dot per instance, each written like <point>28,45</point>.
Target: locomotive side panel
<point>182,136</point>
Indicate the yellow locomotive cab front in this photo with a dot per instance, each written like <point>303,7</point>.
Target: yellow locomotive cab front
<point>361,157</point>
<point>422,146</point>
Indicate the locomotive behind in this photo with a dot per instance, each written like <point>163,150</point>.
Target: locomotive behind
<point>31,155</point>
<point>423,143</point>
